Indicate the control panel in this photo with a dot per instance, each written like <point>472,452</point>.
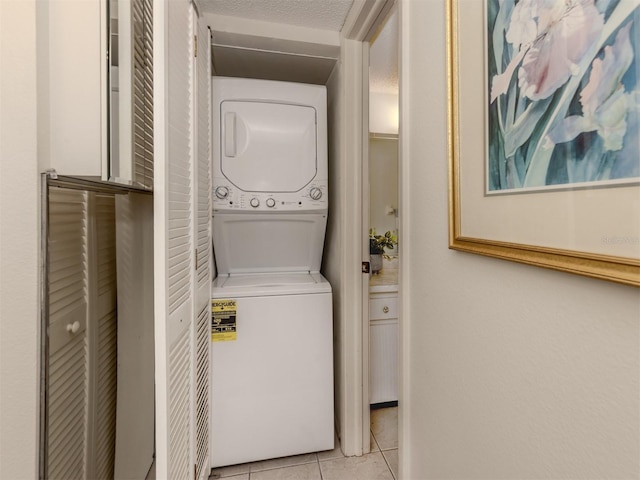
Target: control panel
<point>226,196</point>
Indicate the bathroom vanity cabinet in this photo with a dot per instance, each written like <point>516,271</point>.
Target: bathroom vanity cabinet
<point>383,338</point>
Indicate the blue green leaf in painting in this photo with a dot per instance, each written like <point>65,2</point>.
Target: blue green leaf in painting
<point>605,106</point>
<point>521,131</point>
<point>537,174</point>
<point>499,28</point>
<point>627,160</point>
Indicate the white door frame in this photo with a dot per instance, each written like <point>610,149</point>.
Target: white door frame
<point>361,24</point>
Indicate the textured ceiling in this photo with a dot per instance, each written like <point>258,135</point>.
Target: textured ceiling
<point>383,58</point>
<point>322,14</point>
<point>269,61</point>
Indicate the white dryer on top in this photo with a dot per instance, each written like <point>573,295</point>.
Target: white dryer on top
<point>272,149</point>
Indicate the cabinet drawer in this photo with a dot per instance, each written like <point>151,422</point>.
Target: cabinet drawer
<point>383,307</point>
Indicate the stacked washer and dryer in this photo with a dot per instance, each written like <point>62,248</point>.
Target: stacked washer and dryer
<point>272,340</point>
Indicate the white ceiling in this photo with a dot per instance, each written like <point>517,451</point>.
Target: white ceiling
<point>383,58</point>
<point>321,14</point>
<point>244,52</point>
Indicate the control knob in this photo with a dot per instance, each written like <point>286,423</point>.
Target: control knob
<point>315,193</point>
<point>271,202</point>
<point>222,192</point>
<point>254,202</point>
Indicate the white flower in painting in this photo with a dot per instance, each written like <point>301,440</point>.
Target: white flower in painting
<point>550,37</point>
<point>604,101</point>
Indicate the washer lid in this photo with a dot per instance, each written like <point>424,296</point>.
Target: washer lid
<point>268,242</point>
<point>269,284</point>
<point>268,147</point>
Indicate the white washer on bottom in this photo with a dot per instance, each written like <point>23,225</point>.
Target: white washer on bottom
<point>272,387</point>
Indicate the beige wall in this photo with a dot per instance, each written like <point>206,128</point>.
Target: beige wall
<point>510,371</point>
<point>19,243</point>
<point>383,184</point>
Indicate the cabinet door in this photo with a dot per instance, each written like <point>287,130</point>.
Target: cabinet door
<point>174,244</point>
<point>67,386</point>
<point>383,348</point>
<point>74,87</point>
<point>383,366</point>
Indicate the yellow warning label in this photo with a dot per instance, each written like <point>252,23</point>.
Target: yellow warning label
<point>223,320</point>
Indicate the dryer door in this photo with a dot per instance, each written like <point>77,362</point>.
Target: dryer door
<point>267,147</point>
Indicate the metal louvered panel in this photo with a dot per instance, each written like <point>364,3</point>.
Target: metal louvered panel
<point>202,391</point>
<point>142,108</point>
<point>67,252</point>
<point>106,396</point>
<point>105,341</point>
<point>68,350</point>
<point>67,410</point>
<point>106,218</point>
<point>179,395</point>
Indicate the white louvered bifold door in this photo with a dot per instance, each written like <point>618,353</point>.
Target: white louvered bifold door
<point>103,336</point>
<point>67,390</point>
<point>202,233</point>
<point>174,244</point>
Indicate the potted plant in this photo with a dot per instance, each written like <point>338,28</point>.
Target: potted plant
<point>377,244</point>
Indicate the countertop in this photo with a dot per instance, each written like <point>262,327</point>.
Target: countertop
<point>385,281</point>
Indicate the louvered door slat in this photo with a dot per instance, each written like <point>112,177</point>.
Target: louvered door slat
<point>202,392</point>
<point>179,432</point>
<point>204,161</point>
<point>67,367</point>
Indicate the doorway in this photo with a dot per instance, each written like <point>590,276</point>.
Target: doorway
<point>383,221</point>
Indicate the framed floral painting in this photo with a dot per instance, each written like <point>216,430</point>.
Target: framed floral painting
<point>544,122</point>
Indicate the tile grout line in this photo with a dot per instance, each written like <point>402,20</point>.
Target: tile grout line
<point>319,467</point>
<point>383,455</point>
<point>375,440</point>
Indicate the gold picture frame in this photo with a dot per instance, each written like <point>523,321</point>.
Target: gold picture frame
<point>579,241</point>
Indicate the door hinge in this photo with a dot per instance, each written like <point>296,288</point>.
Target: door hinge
<point>195,45</point>
<point>365,267</point>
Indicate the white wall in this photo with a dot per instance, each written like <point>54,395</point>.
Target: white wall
<point>510,371</point>
<point>383,113</point>
<point>19,242</point>
<point>383,183</point>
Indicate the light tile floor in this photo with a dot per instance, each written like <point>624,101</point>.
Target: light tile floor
<point>380,464</point>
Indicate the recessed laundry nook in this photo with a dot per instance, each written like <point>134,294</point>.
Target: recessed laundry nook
<point>187,291</point>
<point>215,200</point>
